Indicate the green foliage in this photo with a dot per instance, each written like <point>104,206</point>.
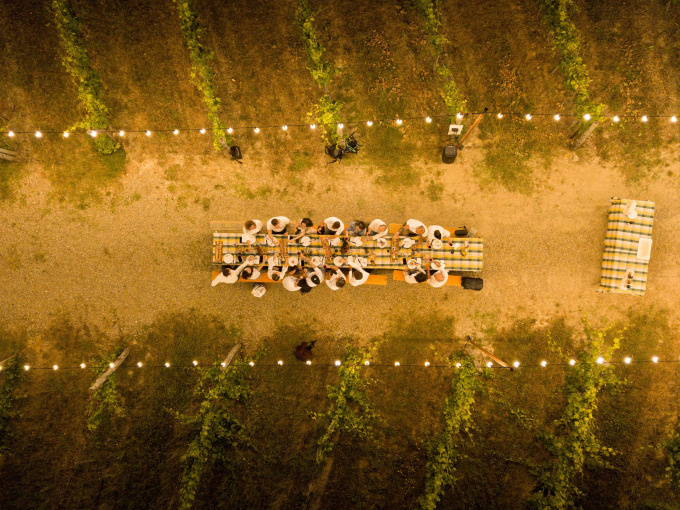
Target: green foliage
<point>202,74</point>
<point>10,377</point>
<point>566,42</point>
<point>105,403</point>
<point>217,430</point>
<point>326,114</point>
<point>450,93</point>
<point>672,450</point>
<point>573,444</point>
<point>87,80</point>
<point>444,452</point>
<point>349,409</point>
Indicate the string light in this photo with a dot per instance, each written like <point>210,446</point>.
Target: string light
<point>528,116</point>
<point>280,362</point>
<point>194,363</point>
<point>82,365</point>
<point>121,133</point>
<point>644,118</point>
<point>500,115</point>
<point>557,117</point>
<point>285,128</point>
<point>572,362</point>
<point>457,365</point>
<point>627,360</point>
<point>93,134</point>
<point>340,126</point>
<point>230,130</point>
<point>587,116</point>
<point>427,119</point>
<point>312,126</point>
<point>252,363</point>
<point>516,364</point>
<point>367,362</point>
<point>427,363</point>
<point>337,362</point>
<point>202,131</point>
<point>369,123</point>
<point>26,367</point>
<point>489,364</point>
<point>655,359</point>
<point>110,365</point>
<point>65,134</point>
<point>396,363</point>
<point>257,130</point>
<point>167,365</point>
<point>309,362</point>
<point>11,134</point>
<point>615,118</point>
<point>175,132</point>
<point>399,122</point>
<point>139,364</point>
<point>148,133</point>
<point>38,134</point>
<point>544,363</point>
<point>459,115</point>
<point>223,364</point>
<point>674,119</point>
<point>55,367</point>
<point>599,360</point>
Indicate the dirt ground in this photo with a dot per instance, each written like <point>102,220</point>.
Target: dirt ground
<point>144,250</point>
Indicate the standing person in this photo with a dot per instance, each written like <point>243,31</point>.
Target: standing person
<point>438,274</point>
<point>303,227</point>
<point>357,228</point>
<point>230,275</point>
<point>303,352</point>
<point>357,274</point>
<point>337,278</point>
<point>277,225</point>
<point>412,228</point>
<point>437,232</point>
<point>250,228</point>
<point>377,229</point>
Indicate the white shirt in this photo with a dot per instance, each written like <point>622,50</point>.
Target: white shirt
<point>256,274</point>
<point>436,228</point>
<point>373,227</point>
<point>283,224</point>
<point>354,264</point>
<point>233,275</point>
<point>273,262</point>
<point>414,224</point>
<point>332,282</point>
<point>289,283</point>
<point>435,283</point>
<point>316,271</point>
<point>328,222</point>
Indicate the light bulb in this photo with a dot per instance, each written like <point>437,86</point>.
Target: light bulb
<point>337,362</point>
<point>194,363</point>
<point>428,119</point>
<point>627,360</point>
<point>309,362</point>
<point>396,363</point>
<point>572,362</point>
<point>175,132</point>
<point>0,368</point>
<point>489,364</point>
<point>66,134</point>
<point>110,365</point>
<point>285,128</point>
<point>280,362</point>
<point>312,126</point>
<point>655,359</point>
<point>139,364</point>
<point>587,116</point>
<point>599,360</point>
<point>615,118</point>
<point>367,362</point>
<point>10,134</point>
<point>427,363</point>
<point>544,363</point>
<point>167,365</point>
<point>644,118</point>
<point>399,122</point>
<point>516,364</point>
<point>202,131</point>
<point>82,365</point>
<point>528,116</point>
<point>457,365</point>
<point>230,130</point>
<point>223,364</point>
<point>674,119</point>
<point>557,117</point>
<point>121,133</point>
<point>26,367</point>
<point>148,133</point>
<point>55,367</point>
<point>38,134</point>
<point>340,126</point>
<point>257,130</point>
<point>500,115</point>
<point>93,134</point>
<point>459,115</point>
<point>369,123</point>
<point>252,363</point>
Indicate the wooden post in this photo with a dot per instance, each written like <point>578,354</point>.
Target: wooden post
<point>497,360</point>
<point>110,370</point>
<point>229,357</point>
<point>582,139</point>
<point>467,133</point>
<point>8,155</point>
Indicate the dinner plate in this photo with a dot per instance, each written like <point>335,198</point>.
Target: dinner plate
<point>336,242</point>
<point>356,241</point>
<point>338,261</point>
<point>228,258</point>
<point>437,244</point>
<point>316,260</point>
<point>293,261</point>
<point>363,262</point>
<point>274,260</point>
<point>412,263</point>
<point>382,242</point>
<point>305,241</point>
<point>407,243</point>
<point>632,215</point>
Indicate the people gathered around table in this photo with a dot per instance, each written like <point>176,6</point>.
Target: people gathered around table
<point>303,273</point>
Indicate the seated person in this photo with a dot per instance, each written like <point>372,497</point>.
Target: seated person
<point>304,227</point>
<point>229,274</point>
<point>315,274</point>
<point>377,229</point>
<point>277,225</point>
<point>250,273</point>
<point>438,274</point>
<point>276,271</point>
<point>332,227</point>
<point>437,232</point>
<point>337,279</point>
<point>357,274</point>
<point>412,228</point>
<point>417,275</point>
<point>296,282</point>
<point>357,228</point>
<point>250,228</point>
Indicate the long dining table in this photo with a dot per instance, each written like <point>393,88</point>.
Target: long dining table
<point>458,254</point>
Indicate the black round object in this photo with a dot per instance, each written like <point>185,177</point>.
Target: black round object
<point>449,153</point>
